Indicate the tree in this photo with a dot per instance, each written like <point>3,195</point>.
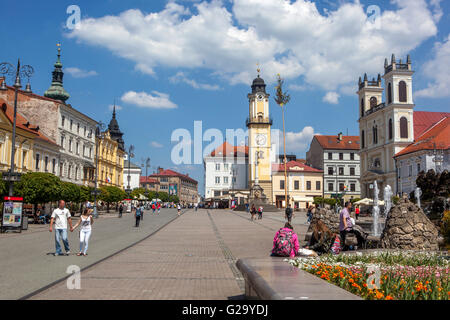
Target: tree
<point>137,192</point>
<point>164,196</point>
<point>111,194</point>
<point>38,187</point>
<point>70,192</point>
<point>174,198</point>
<point>3,186</point>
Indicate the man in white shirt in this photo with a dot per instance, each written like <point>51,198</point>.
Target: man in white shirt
<point>60,217</point>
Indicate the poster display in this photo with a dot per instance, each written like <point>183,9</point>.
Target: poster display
<point>173,189</point>
<point>12,214</point>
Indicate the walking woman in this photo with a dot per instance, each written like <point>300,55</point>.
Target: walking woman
<point>253,212</point>
<point>86,223</point>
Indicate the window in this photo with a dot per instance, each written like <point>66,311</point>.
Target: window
<point>330,156</point>
<point>403,128</point>
<point>61,169</point>
<point>308,185</point>
<point>24,159</point>
<point>217,166</point>
<point>341,156</point>
<point>76,173</point>
<point>363,139</point>
<point>63,121</point>
<point>216,193</point>
<point>54,166</point>
<point>418,167</point>
<point>62,142</point>
<point>362,108</point>
<point>352,171</point>
<point>341,187</point>
<point>77,148</point>
<point>402,96</point>
<point>85,131</point>
<point>281,184</point>
<point>330,186</point>
<point>37,161</point>
<point>390,129</point>
<point>410,170</point>
<point>225,166</point>
<point>373,102</point>
<point>90,152</point>
<point>389,93</point>
<point>317,185</point>
<point>78,128</point>
<point>84,150</point>
<point>46,164</point>
<point>352,187</point>
<point>69,172</point>
<point>70,145</point>
<point>330,171</point>
<point>341,171</point>
<point>375,134</point>
<point>217,180</point>
<point>352,156</point>
<point>225,180</point>
<point>296,185</point>
<point>71,125</point>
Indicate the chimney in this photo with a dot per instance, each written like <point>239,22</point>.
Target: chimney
<point>160,169</point>
<point>340,136</point>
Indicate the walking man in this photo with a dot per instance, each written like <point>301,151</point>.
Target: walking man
<point>138,215</point>
<point>60,217</point>
<point>289,213</point>
<point>120,210</point>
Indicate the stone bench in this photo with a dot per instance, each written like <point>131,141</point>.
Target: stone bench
<point>274,279</point>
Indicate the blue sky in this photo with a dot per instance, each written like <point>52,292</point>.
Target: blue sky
<point>170,63</point>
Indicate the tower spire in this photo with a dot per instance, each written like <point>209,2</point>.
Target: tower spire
<point>56,90</point>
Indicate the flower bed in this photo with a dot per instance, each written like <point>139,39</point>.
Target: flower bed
<point>384,275</point>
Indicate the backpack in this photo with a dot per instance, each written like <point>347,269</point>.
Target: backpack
<point>283,244</point>
<point>138,212</point>
<point>336,248</point>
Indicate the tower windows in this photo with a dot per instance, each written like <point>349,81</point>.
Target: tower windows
<point>403,128</point>
<point>363,139</point>
<point>375,134</point>
<point>390,129</point>
<point>402,91</point>
<point>389,93</point>
<point>362,107</point>
<point>373,102</point>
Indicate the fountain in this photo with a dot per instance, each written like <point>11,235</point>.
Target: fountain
<point>375,211</point>
<point>387,200</point>
<point>417,194</point>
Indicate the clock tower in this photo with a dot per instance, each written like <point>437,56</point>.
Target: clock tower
<point>259,124</point>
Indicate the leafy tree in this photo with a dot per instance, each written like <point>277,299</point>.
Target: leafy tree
<point>70,192</point>
<point>174,198</point>
<point>164,196</point>
<point>111,194</point>
<point>38,187</point>
<point>3,186</point>
<point>137,192</point>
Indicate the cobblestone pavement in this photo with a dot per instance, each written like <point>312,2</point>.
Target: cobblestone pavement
<point>28,264</point>
<point>193,257</point>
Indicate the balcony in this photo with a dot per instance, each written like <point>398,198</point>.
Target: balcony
<point>259,120</point>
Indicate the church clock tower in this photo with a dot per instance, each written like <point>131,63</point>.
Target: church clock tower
<point>259,124</point>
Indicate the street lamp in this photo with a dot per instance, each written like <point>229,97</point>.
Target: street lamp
<point>99,134</point>
<point>24,71</point>
<point>130,155</point>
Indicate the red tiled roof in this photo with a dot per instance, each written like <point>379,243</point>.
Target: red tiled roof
<point>437,136</point>
<point>148,180</point>
<point>227,149</point>
<point>171,173</point>
<point>20,120</point>
<point>332,142</point>
<point>291,164</point>
<point>423,120</point>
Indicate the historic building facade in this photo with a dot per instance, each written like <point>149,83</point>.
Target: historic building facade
<point>178,184</point>
<point>338,157</point>
<point>303,184</point>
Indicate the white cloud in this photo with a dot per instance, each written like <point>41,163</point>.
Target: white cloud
<point>329,50</point>
<point>438,69</point>
<point>181,77</point>
<point>79,73</point>
<point>142,99</point>
<point>155,144</point>
<point>331,97</point>
<point>111,107</point>
<point>298,141</point>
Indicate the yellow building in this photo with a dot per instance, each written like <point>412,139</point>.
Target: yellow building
<point>259,125</point>
<point>111,154</point>
<point>303,184</point>
<point>25,136</point>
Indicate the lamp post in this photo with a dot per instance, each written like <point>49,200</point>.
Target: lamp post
<point>24,71</point>
<point>130,155</point>
<point>98,137</point>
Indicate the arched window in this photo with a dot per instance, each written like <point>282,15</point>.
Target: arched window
<point>375,134</point>
<point>373,102</point>
<point>390,129</point>
<point>363,139</point>
<point>402,91</point>
<point>389,93</point>
<point>362,107</point>
<point>403,128</point>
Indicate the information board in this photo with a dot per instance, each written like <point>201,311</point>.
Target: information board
<point>12,214</point>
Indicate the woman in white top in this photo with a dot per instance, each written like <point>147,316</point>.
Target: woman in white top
<point>86,222</point>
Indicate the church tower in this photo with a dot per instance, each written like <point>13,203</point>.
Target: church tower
<point>259,141</point>
<point>56,90</point>
<point>385,128</point>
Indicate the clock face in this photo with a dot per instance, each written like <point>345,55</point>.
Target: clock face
<point>259,97</point>
<point>261,139</point>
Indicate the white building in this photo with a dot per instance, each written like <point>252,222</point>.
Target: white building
<point>226,169</point>
<point>134,172</point>
<point>429,151</point>
<point>338,157</point>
